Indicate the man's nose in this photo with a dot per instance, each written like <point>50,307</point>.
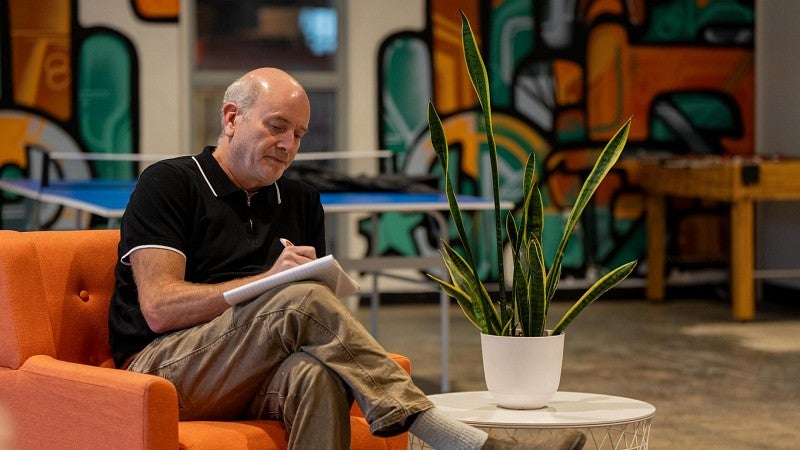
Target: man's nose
<point>287,141</point>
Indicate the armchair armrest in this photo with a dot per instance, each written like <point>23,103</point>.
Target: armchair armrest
<point>57,404</point>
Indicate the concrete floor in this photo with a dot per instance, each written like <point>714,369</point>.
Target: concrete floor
<point>715,383</point>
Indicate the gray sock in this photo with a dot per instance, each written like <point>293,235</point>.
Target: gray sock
<point>443,432</point>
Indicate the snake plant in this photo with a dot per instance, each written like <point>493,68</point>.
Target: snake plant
<point>522,311</point>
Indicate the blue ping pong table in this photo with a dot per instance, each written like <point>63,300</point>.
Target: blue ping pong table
<point>108,199</point>
<point>105,198</point>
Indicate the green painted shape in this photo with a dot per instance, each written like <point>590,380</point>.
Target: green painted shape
<point>605,241</point>
<point>511,39</point>
<point>551,235</point>
<point>682,20</point>
<point>406,89</point>
<point>396,231</point>
<point>104,101</point>
<point>706,112</point>
<point>10,172</point>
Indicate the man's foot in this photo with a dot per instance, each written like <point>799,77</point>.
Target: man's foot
<point>558,440</point>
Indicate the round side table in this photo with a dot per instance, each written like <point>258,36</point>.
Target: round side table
<point>609,422</point>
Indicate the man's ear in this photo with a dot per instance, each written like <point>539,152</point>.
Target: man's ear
<point>229,114</point>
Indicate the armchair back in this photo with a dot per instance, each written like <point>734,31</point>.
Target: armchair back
<point>55,289</point>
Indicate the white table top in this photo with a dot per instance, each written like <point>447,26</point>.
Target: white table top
<point>567,409</point>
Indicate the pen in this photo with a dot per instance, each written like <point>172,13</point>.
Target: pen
<point>286,242</point>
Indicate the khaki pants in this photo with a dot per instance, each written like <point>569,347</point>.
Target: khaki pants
<point>293,354</point>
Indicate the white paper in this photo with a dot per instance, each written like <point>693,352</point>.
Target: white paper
<point>325,270</point>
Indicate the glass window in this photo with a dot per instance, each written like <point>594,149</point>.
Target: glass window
<point>301,37</point>
<point>240,34</point>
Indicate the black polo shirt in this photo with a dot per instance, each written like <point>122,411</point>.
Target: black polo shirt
<point>190,206</point>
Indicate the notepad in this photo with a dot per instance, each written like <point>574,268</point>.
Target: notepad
<point>325,270</point>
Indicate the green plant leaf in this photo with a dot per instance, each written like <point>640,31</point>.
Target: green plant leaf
<point>533,208</point>
<point>519,292</point>
<point>506,330</point>
<point>461,297</point>
<point>511,231</point>
<point>464,276</point>
<point>530,303</point>
<point>536,321</point>
<point>442,150</point>
<point>602,285</point>
<point>554,272</point>
<point>480,81</point>
<point>529,174</point>
<point>475,65</point>
<point>517,277</point>
<point>608,157</point>
<point>459,274</point>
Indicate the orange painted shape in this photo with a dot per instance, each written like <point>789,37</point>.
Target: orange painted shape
<point>608,82</point>
<point>452,86</point>
<point>461,129</point>
<point>592,9</point>
<point>505,125</point>
<point>40,55</point>
<point>569,82</point>
<point>157,9</point>
<point>12,140</point>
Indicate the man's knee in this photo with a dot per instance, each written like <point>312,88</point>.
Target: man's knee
<point>297,295</point>
<point>316,399</point>
<point>300,382</point>
<point>308,385</point>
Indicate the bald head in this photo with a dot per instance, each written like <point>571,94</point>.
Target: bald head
<point>245,91</point>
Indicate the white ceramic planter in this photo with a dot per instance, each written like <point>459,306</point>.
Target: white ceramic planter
<point>522,372</point>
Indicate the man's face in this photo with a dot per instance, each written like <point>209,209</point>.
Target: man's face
<point>266,141</point>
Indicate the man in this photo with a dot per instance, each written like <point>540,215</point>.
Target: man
<point>198,226</point>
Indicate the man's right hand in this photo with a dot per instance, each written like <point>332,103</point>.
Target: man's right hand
<point>292,256</point>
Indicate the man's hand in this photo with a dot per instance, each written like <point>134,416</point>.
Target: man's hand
<point>292,256</point>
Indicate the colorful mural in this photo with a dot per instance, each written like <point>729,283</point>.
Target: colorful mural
<point>66,88</point>
<point>564,76</point>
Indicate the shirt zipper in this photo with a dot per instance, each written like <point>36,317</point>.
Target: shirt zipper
<point>251,224</point>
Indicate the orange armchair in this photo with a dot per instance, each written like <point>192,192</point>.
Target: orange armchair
<point>57,380</point>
